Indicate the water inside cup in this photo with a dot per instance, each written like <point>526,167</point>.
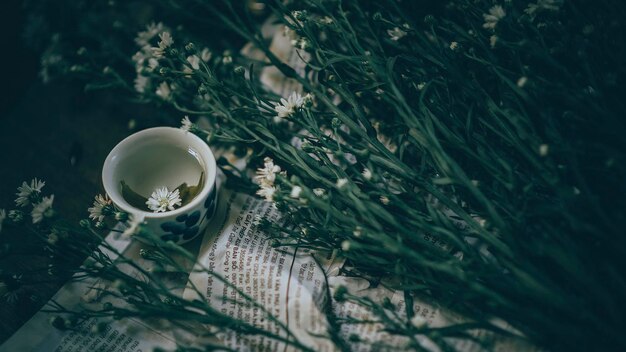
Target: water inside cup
<point>171,166</point>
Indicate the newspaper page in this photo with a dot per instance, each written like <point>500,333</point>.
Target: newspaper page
<point>292,284</point>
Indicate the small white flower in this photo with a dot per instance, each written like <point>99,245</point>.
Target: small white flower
<point>26,192</point>
<point>186,124</point>
<point>295,192</point>
<point>42,209</point>
<point>134,221</point>
<point>162,199</point>
<point>319,191</point>
<point>153,63</point>
<point>544,149</point>
<point>206,54</point>
<point>140,83</point>
<point>521,82</point>
<point>3,215</point>
<point>542,5</point>
<point>357,231</point>
<point>367,174</point>
<point>341,183</point>
<point>288,106</point>
<point>227,60</point>
<point>493,40</point>
<point>267,191</point>
<point>194,61</point>
<point>454,46</point>
<point>326,20</point>
<point>164,90</point>
<point>95,212</point>
<point>143,38</point>
<point>418,321</point>
<point>421,85</point>
<point>16,215</point>
<point>345,245</point>
<point>267,174</point>
<point>301,43</point>
<point>495,14</point>
<point>53,238</point>
<point>396,33</point>
<point>384,200</point>
<point>166,40</point>
<point>139,58</point>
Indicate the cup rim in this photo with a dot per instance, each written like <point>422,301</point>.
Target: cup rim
<point>205,152</point>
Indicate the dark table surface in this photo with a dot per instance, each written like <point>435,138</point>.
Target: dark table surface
<point>39,135</point>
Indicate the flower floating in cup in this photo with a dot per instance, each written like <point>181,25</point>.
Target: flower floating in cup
<point>162,199</point>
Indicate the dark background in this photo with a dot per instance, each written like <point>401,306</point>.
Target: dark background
<point>43,127</point>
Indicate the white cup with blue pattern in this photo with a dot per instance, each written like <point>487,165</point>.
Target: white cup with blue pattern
<point>164,157</point>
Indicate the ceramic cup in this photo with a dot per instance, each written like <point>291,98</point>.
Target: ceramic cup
<point>164,157</point>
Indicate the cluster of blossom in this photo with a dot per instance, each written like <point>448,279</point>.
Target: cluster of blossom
<point>146,55</point>
<point>29,194</point>
<point>497,13</point>
<point>266,177</point>
<point>147,58</point>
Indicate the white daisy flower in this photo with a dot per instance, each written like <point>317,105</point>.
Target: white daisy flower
<point>288,106</point>
<point>186,124</point>
<point>206,54</point>
<point>194,61</point>
<point>134,222</point>
<point>267,191</point>
<point>396,33</point>
<point>164,90</point>
<point>27,193</point>
<point>267,174</point>
<point>3,215</point>
<point>521,82</point>
<point>543,5</point>
<point>492,18</point>
<point>153,63</point>
<point>384,200</point>
<point>342,182</point>
<point>295,192</point>
<point>138,59</point>
<point>454,46</point>
<point>319,191</point>
<point>162,199</point>
<point>367,174</point>
<point>95,212</point>
<point>166,40</point>
<point>418,321</point>
<point>493,40</point>
<point>42,209</point>
<point>140,83</point>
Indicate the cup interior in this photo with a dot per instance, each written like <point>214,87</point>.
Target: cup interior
<point>158,157</point>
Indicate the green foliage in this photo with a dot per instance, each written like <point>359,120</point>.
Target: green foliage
<point>478,164</point>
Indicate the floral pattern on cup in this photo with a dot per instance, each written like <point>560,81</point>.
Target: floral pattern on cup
<point>187,226</point>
